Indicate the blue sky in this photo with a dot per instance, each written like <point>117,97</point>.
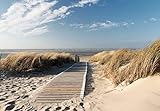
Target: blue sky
<point>78,23</point>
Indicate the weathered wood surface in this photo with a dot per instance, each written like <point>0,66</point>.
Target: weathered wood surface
<point>66,85</point>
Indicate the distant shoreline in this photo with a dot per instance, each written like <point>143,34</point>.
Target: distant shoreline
<point>80,52</point>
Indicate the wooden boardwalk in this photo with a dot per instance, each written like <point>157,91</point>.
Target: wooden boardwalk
<point>64,86</point>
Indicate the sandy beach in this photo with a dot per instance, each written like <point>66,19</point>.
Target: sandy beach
<point>15,91</point>
<point>79,55</point>
<point>100,94</point>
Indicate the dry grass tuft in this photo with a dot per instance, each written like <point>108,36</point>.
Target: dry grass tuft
<point>25,61</point>
<point>147,63</point>
<point>119,59</point>
<point>127,65</point>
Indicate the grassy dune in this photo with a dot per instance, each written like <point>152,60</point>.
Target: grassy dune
<point>26,61</point>
<point>127,65</point>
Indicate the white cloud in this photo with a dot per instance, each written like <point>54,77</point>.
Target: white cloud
<point>88,1</point>
<point>93,26</point>
<point>81,26</point>
<point>153,19</point>
<point>33,2</point>
<point>101,25</point>
<point>30,17</point>
<point>81,3</point>
<point>16,10</point>
<point>125,24</point>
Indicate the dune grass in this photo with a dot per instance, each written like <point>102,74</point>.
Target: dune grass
<point>99,56</point>
<point>26,61</point>
<point>126,65</point>
<point>147,63</point>
<point>119,60</point>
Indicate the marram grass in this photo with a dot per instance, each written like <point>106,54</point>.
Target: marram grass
<point>24,61</point>
<point>126,65</point>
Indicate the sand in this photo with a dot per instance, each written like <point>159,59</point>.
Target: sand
<point>16,90</point>
<point>142,95</point>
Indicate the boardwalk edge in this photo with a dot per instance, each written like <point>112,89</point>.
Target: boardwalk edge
<point>84,82</point>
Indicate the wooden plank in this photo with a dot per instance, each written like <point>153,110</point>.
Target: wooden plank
<point>65,86</point>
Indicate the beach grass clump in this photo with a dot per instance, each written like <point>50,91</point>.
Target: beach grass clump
<point>129,66</point>
<point>119,60</point>
<point>147,63</point>
<point>25,61</point>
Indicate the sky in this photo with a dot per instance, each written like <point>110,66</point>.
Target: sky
<point>41,24</point>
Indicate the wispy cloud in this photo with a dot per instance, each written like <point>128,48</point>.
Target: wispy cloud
<point>152,20</point>
<point>101,25</point>
<point>30,17</point>
<point>78,26</point>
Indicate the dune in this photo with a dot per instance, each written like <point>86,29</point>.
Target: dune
<point>128,80</point>
<point>129,65</point>
<point>142,95</point>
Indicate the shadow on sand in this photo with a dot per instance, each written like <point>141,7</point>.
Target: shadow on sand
<point>89,84</point>
<point>51,71</point>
